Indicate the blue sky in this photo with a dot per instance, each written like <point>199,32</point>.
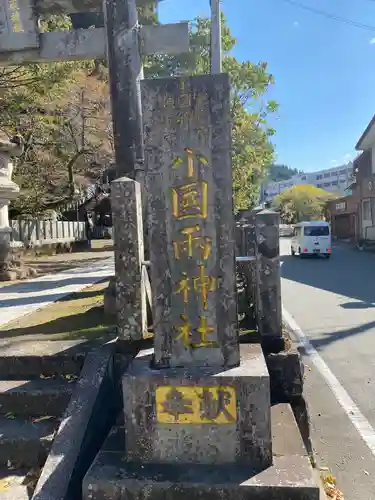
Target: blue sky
<point>324,70</point>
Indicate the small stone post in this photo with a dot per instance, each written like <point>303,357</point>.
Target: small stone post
<point>8,192</point>
<point>129,256</point>
<point>267,242</point>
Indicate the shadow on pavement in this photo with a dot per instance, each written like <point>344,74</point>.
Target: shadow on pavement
<point>329,338</point>
<point>348,273</point>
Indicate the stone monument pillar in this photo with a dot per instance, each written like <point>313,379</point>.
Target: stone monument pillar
<point>8,192</point>
<point>197,419</point>
<point>195,401</point>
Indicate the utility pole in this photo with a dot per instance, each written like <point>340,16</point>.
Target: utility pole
<point>215,37</point>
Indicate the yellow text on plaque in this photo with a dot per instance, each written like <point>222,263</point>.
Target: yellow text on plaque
<point>192,240</point>
<point>190,201</point>
<point>196,405</point>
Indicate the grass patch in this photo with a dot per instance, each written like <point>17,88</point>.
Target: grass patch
<point>79,316</point>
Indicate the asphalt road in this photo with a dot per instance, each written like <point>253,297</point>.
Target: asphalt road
<point>333,303</point>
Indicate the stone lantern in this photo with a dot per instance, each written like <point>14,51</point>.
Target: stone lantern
<point>8,191</point>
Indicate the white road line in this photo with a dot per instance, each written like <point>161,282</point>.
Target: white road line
<point>359,421</point>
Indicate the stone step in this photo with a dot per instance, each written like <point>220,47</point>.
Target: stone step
<point>32,367</point>
<point>24,443</point>
<point>34,397</point>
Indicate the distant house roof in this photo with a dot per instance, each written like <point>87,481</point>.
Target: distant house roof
<point>367,139</point>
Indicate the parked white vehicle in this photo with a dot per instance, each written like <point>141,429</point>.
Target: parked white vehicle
<point>312,238</point>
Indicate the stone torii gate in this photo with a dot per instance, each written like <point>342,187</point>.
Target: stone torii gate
<point>122,41</point>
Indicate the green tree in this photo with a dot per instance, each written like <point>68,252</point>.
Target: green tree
<point>61,109</point>
<point>281,173</point>
<point>302,202</point>
<point>252,150</point>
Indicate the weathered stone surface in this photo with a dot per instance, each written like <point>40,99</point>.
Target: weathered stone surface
<point>267,235</point>
<point>290,478</point>
<point>8,192</point>
<point>125,68</point>
<point>191,228</point>
<point>78,436</point>
<point>286,437</point>
<point>110,297</point>
<point>25,443</point>
<point>21,364</point>
<point>129,255</point>
<point>199,415</point>
<point>302,416</point>
<point>286,375</point>
<point>33,397</point>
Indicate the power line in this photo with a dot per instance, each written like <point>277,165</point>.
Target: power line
<point>328,15</point>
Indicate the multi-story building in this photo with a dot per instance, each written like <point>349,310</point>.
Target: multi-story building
<point>363,188</point>
<point>336,179</point>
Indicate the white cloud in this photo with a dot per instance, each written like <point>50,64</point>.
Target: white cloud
<point>343,160</point>
<point>372,41</point>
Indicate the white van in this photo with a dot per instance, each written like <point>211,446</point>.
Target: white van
<point>311,238</point>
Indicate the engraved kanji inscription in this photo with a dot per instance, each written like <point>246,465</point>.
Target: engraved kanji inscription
<point>196,405</point>
<point>193,244</point>
<point>212,406</point>
<point>195,337</point>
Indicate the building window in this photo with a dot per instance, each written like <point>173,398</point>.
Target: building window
<point>342,180</point>
<point>326,184</point>
<point>319,185</point>
<point>334,183</point>
<point>341,206</point>
<point>318,177</point>
<point>303,178</point>
<point>342,172</point>
<point>327,175</point>
<point>366,210</point>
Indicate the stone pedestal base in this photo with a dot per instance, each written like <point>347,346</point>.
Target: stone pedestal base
<point>199,415</point>
<point>11,266</point>
<point>290,478</point>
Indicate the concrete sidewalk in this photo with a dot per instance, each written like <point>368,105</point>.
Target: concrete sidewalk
<point>26,297</point>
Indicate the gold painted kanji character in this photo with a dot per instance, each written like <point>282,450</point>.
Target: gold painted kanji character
<point>190,201</point>
<point>190,161</point>
<point>184,330</point>
<point>204,331</point>
<point>191,242</point>
<point>184,288</point>
<point>204,284</point>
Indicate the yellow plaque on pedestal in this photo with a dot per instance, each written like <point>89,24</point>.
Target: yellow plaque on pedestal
<point>196,405</point>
